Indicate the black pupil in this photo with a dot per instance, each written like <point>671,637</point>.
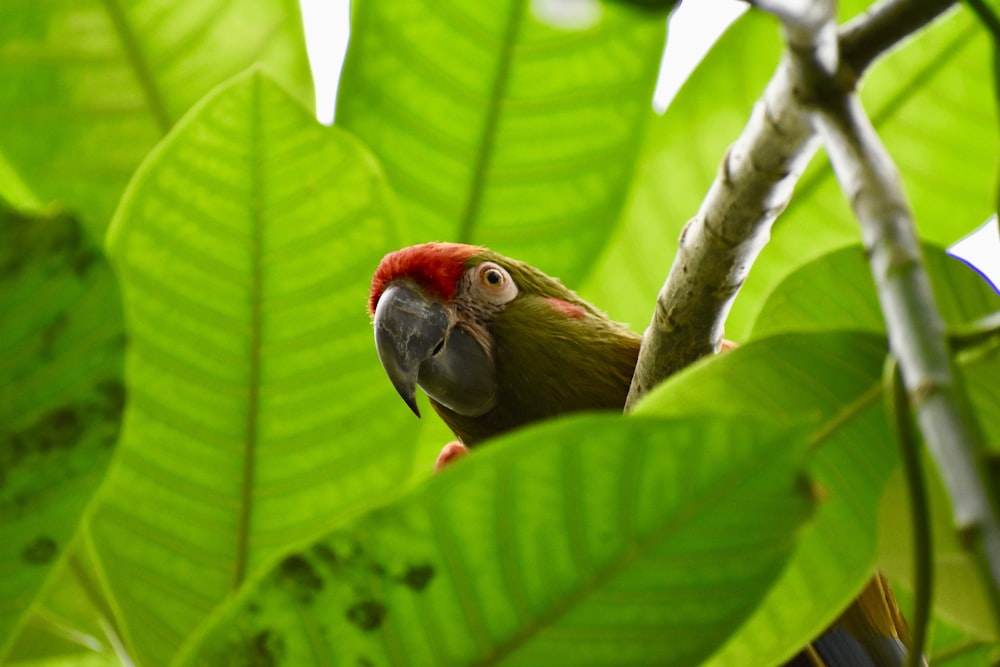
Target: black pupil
<point>493,277</point>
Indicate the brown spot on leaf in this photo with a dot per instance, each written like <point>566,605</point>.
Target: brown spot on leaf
<point>266,649</point>
<point>297,575</point>
<point>83,260</point>
<point>59,429</point>
<point>327,555</point>
<point>417,577</point>
<point>41,551</point>
<point>60,237</point>
<point>50,335</point>
<point>367,614</point>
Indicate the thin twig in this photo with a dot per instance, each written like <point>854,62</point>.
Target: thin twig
<point>755,182</point>
<point>923,548</point>
<point>987,16</point>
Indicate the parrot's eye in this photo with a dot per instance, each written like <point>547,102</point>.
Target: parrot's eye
<point>495,283</point>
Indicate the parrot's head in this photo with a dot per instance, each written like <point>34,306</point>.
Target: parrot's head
<point>493,342</point>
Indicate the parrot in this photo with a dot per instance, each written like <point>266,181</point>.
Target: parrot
<point>497,344</point>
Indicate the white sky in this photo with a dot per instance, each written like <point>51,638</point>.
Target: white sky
<point>694,27</point>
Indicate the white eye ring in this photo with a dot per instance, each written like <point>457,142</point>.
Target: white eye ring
<point>495,283</point>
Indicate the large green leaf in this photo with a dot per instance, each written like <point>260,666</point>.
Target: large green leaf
<point>592,540</point>
<point>61,394</point>
<point>927,98</point>
<point>497,128</point>
<point>836,291</point>
<point>258,415</point>
<point>88,87</point>
<point>832,382</point>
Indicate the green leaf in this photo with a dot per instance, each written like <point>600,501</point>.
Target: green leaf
<point>61,395</point>
<point>831,382</point>
<point>590,540</point>
<point>258,415</point>
<point>990,21</point>
<point>88,86</point>
<point>980,368</point>
<point>932,103</point>
<point>835,291</point>
<point>926,99</point>
<point>69,621</point>
<point>496,128</point>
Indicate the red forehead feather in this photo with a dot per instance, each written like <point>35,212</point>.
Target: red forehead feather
<point>436,267</point>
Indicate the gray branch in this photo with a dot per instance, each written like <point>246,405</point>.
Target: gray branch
<point>755,182</point>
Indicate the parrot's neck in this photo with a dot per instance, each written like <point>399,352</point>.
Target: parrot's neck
<point>550,363</point>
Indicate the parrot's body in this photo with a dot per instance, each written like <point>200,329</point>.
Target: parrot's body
<point>497,344</point>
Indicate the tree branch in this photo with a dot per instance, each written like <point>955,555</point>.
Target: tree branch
<point>754,184</point>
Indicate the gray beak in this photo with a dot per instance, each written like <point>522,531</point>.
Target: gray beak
<point>417,343</point>
<point>409,328</point>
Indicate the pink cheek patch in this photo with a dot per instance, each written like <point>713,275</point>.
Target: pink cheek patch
<point>566,308</point>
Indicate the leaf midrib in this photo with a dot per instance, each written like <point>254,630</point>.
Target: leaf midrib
<point>488,136</point>
<point>140,65</point>
<point>716,492</point>
<point>253,380</point>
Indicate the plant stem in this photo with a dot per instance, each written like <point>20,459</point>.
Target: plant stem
<point>923,548</point>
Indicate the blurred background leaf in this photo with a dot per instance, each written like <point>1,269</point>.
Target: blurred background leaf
<point>87,87</point>
<point>258,414</point>
<point>500,126</point>
<point>62,346</point>
<point>590,540</point>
